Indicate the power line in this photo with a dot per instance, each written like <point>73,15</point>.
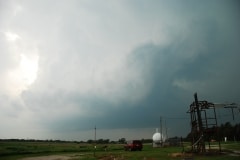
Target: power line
<point>175,117</point>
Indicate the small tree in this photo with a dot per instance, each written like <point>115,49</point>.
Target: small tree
<point>90,141</point>
<point>122,140</point>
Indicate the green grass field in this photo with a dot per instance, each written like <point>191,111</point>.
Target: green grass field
<point>18,150</point>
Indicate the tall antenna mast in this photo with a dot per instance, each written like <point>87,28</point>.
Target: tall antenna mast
<point>161,130</point>
<point>95,133</point>
<point>95,147</point>
<point>166,129</point>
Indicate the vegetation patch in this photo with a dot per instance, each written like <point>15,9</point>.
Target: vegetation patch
<point>15,150</point>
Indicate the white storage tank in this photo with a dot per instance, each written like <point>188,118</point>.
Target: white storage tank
<point>158,139</point>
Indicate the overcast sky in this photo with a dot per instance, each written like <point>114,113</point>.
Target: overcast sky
<point>67,66</point>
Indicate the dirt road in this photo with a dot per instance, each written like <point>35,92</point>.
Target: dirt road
<point>53,157</point>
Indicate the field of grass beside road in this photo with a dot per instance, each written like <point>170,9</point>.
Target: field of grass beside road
<point>82,151</point>
<point>41,148</point>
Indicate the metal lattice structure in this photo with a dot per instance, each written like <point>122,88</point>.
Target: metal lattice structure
<point>204,126</point>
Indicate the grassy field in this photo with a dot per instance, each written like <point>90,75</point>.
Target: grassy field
<point>17,150</point>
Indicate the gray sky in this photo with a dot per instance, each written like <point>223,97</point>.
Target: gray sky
<point>67,66</point>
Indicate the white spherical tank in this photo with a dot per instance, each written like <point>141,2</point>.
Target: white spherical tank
<point>156,137</point>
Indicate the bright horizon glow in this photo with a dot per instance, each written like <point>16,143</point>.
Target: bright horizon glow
<point>29,68</point>
<point>11,36</point>
<point>23,75</point>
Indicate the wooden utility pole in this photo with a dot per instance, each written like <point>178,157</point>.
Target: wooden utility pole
<point>161,131</point>
<point>95,133</point>
<point>166,130</point>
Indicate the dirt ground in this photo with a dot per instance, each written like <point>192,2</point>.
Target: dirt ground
<point>70,157</point>
<point>53,157</point>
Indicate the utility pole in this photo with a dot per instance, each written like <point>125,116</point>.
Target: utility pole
<point>200,125</point>
<point>166,130</point>
<point>95,133</point>
<point>161,131</point>
<point>231,107</point>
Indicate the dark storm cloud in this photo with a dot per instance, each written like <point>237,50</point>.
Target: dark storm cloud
<point>118,66</point>
<point>201,59</point>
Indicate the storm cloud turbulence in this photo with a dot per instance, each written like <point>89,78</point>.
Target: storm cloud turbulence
<point>67,66</point>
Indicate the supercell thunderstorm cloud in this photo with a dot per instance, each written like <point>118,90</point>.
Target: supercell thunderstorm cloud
<point>68,66</point>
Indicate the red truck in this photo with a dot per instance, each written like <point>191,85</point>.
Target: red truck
<point>133,145</point>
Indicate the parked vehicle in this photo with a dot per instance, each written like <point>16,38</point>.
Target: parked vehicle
<point>133,145</point>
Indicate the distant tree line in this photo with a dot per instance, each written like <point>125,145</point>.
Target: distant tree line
<point>99,141</point>
<point>90,141</point>
<point>123,140</point>
<point>37,140</point>
<point>232,132</point>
